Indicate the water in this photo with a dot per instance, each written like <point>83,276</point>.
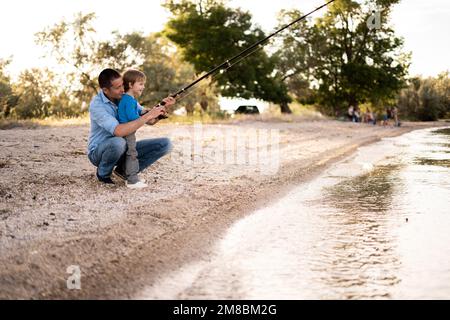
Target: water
<point>375,226</point>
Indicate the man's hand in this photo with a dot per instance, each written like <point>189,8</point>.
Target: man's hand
<point>148,116</point>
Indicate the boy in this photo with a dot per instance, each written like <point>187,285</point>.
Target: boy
<point>134,84</point>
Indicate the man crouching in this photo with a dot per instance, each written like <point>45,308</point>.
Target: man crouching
<point>107,146</point>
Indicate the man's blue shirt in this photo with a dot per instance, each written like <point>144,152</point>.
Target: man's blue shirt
<point>104,120</point>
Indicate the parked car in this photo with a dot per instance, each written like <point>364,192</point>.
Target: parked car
<point>247,110</point>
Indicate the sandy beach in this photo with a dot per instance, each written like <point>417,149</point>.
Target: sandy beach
<point>54,214</point>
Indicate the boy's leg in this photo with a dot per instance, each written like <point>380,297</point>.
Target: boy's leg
<point>150,150</point>
<point>107,155</point>
<point>131,161</point>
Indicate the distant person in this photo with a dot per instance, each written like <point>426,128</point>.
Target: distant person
<point>350,113</point>
<point>356,115</point>
<point>370,117</point>
<point>107,146</point>
<point>395,116</point>
<point>387,116</point>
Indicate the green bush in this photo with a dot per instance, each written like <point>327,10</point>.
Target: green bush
<point>426,99</point>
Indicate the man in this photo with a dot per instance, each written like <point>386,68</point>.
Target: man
<point>107,145</point>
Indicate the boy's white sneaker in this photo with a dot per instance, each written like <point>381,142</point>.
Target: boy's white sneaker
<point>137,185</point>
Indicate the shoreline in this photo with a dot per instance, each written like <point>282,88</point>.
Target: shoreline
<point>124,246</point>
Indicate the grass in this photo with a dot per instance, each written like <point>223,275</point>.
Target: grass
<point>299,112</point>
<point>6,124</point>
<point>47,122</point>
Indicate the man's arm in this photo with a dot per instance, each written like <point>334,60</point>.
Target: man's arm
<point>151,122</point>
<point>125,129</point>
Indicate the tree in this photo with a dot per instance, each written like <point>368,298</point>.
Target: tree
<point>426,99</point>
<point>347,62</point>
<point>84,57</point>
<point>443,90</point>
<point>6,93</point>
<point>429,102</point>
<point>409,100</point>
<point>33,90</point>
<point>34,95</point>
<point>72,44</point>
<point>294,57</point>
<point>208,33</point>
<point>166,72</point>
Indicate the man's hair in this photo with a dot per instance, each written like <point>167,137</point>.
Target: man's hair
<point>132,76</point>
<point>106,77</point>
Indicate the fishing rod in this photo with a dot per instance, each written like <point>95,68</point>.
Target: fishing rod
<point>231,61</point>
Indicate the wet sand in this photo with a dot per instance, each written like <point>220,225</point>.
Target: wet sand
<point>55,214</point>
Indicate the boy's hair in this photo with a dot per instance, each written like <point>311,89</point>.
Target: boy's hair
<point>106,77</point>
<point>132,76</point>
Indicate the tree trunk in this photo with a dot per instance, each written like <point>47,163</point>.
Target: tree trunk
<point>284,107</point>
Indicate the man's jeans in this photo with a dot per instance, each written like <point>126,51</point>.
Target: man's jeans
<point>113,153</point>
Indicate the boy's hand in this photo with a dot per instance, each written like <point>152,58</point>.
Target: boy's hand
<point>159,112</point>
<point>167,102</point>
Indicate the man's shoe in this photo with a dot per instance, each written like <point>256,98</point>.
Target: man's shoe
<point>106,180</point>
<point>119,173</point>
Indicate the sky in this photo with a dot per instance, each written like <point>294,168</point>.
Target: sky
<point>425,25</point>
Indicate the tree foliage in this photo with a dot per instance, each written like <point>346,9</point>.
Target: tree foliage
<point>73,45</point>
<point>86,57</point>
<point>209,33</point>
<point>343,59</point>
<point>6,92</point>
<point>426,99</point>
<point>33,91</point>
<point>333,61</point>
